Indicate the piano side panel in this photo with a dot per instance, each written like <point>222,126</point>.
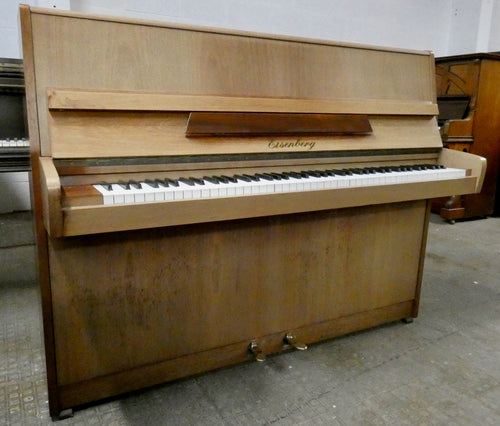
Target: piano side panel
<point>37,204</point>
<point>133,57</point>
<point>126,300</point>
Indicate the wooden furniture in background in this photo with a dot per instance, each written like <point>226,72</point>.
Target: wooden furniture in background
<point>138,294</point>
<point>471,81</point>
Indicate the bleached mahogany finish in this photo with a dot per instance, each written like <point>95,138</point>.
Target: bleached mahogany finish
<point>135,295</point>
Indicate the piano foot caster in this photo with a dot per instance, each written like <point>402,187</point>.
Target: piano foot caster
<point>256,350</point>
<point>291,339</point>
<point>408,320</point>
<point>451,221</point>
<point>65,414</point>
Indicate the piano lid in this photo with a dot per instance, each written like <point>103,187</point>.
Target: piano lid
<point>209,70</point>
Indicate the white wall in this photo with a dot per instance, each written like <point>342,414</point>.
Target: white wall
<point>10,35</point>
<point>415,24</point>
<point>494,39</point>
<point>443,26</point>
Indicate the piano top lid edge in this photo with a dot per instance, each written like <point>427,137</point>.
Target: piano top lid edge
<point>83,99</point>
<point>124,19</point>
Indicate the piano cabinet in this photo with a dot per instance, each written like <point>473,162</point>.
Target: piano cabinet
<point>474,128</point>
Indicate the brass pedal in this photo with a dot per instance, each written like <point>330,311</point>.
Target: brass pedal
<point>257,352</point>
<point>291,340</point>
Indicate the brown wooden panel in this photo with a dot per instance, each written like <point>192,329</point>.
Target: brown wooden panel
<point>147,375</point>
<point>71,99</point>
<point>183,61</point>
<point>169,292</point>
<point>92,134</point>
<point>254,124</point>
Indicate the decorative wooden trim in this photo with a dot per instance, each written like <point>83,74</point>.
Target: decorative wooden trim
<point>464,160</point>
<point>51,191</point>
<point>73,99</point>
<point>260,124</point>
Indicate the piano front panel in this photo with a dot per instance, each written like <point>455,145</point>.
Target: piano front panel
<point>139,292</point>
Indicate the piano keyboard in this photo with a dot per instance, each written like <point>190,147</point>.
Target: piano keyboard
<point>155,190</point>
<point>14,143</point>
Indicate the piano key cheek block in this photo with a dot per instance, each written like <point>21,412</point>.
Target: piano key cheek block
<point>252,190</point>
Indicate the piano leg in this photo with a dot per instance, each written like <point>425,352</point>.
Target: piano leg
<point>453,209</point>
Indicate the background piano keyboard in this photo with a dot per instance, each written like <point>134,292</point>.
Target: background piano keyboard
<point>14,143</point>
<point>14,155</point>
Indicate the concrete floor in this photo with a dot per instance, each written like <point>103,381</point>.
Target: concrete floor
<point>443,369</point>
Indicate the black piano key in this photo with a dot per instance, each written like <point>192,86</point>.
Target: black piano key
<point>337,172</point>
<point>135,184</point>
<point>263,176</point>
<point>187,181</point>
<point>274,176</point>
<point>280,175</point>
<point>252,177</point>
<point>171,182</point>
<point>293,175</point>
<point>211,180</point>
<point>221,179</point>
<point>106,185</point>
<point>152,183</point>
<point>124,185</point>
<point>242,178</point>
<point>229,178</point>
<point>161,182</point>
<point>197,181</point>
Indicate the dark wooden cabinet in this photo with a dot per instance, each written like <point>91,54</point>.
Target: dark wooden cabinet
<point>468,90</point>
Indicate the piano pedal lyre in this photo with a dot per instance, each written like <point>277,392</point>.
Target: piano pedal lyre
<point>291,339</point>
<point>257,352</point>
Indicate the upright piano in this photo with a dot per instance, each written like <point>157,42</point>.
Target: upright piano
<point>205,197</point>
<point>468,94</point>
